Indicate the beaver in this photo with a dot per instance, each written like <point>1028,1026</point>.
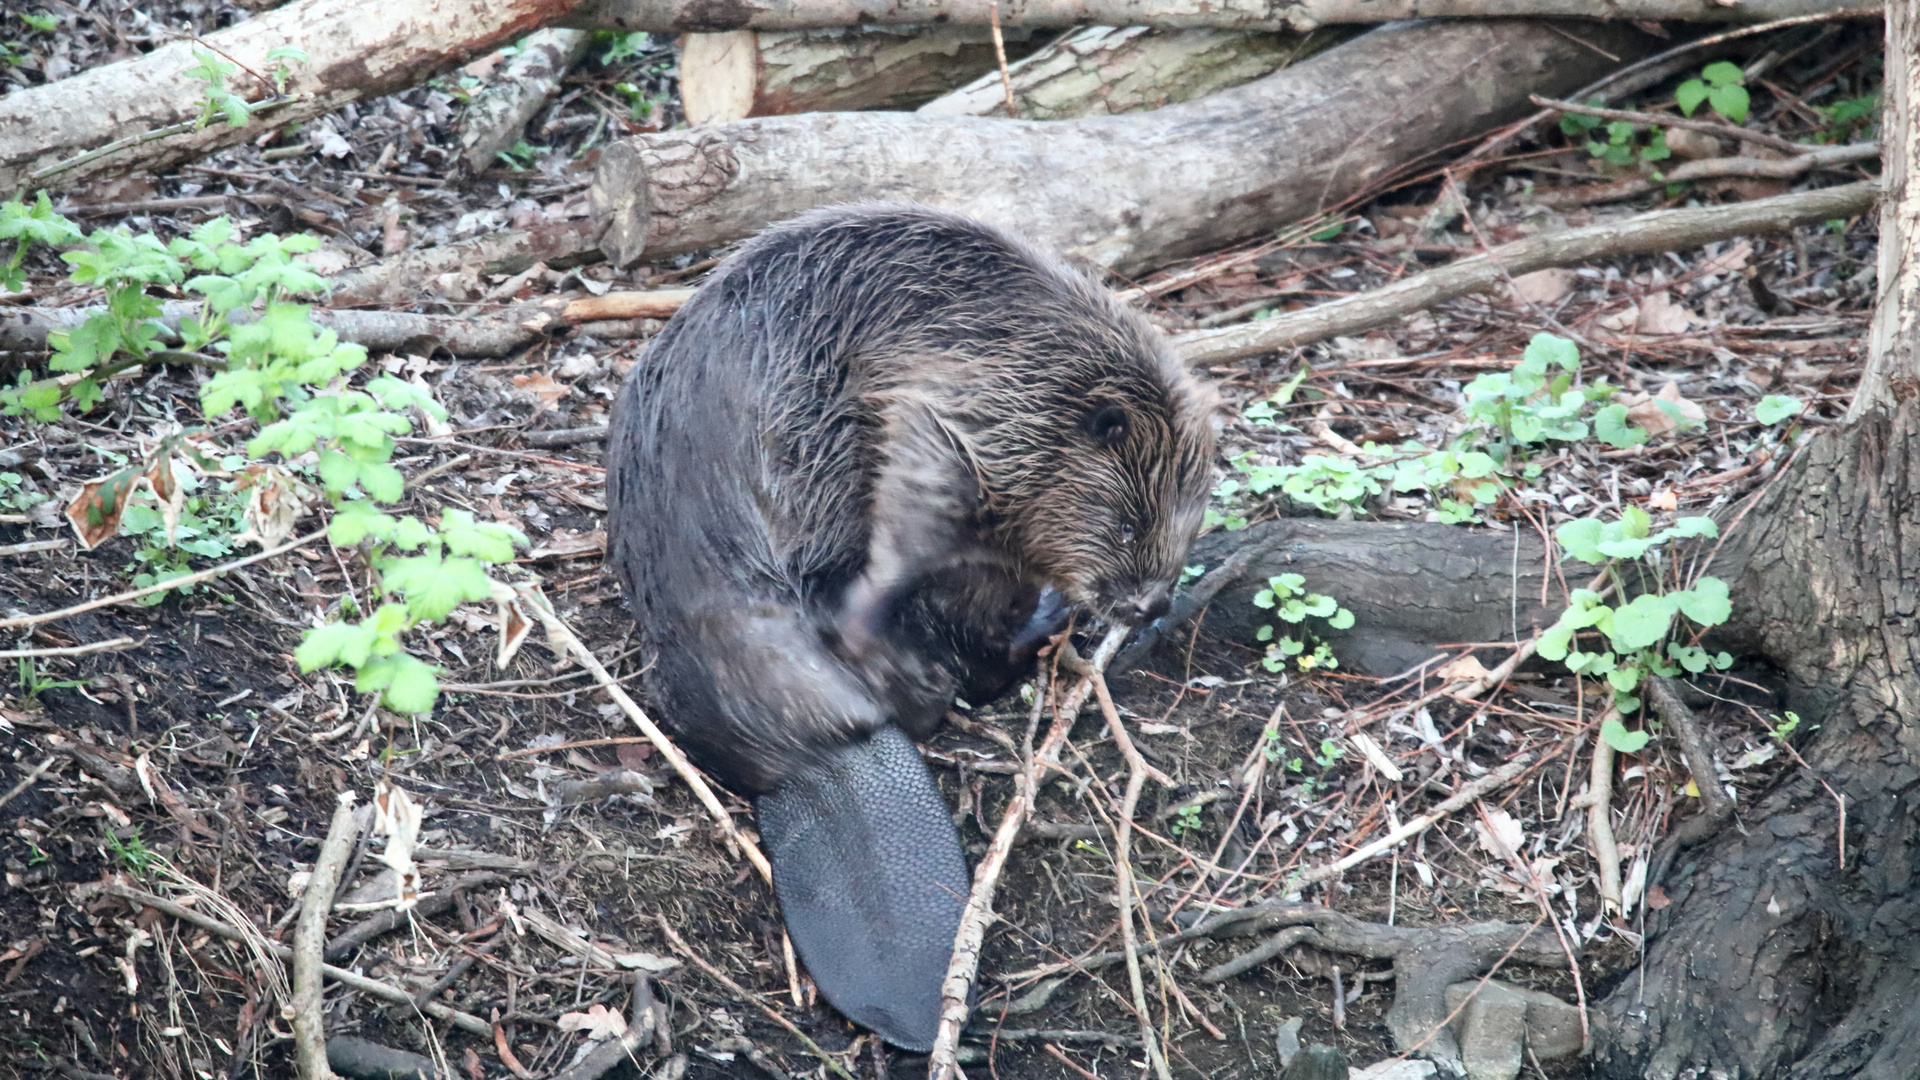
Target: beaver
<point>882,455</point>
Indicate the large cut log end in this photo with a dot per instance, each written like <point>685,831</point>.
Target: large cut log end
<point>620,203</point>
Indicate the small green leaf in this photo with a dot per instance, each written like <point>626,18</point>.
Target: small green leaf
<point>1730,101</point>
<point>1706,603</point>
<point>1610,426</point>
<point>1622,740</point>
<point>1581,539</point>
<point>1723,73</point>
<point>1642,623</point>
<point>1777,407</point>
<point>1690,96</point>
<point>1341,620</point>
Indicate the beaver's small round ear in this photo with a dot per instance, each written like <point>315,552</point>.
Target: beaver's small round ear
<point>1107,424</point>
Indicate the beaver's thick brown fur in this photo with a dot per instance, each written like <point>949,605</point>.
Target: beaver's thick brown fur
<point>849,479</point>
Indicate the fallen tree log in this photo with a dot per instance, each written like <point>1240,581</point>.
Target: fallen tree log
<point>405,278</point>
<point>1661,230</point>
<point>1122,192</point>
<point>1411,586</point>
<point>495,333</point>
<point>497,115</point>
<point>140,113</point>
<point>683,16</point>
<point>1104,70</point>
<point>744,73</point>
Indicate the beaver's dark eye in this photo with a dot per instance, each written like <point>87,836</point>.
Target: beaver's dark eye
<point>1126,534</point>
<point>1107,425</point>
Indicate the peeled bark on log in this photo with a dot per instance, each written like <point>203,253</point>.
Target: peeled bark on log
<point>1105,71</point>
<point>1122,192</point>
<point>355,49</point>
<point>682,16</point>
<point>403,279</point>
<point>744,73</point>
<point>524,81</point>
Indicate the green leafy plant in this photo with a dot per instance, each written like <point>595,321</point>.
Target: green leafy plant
<point>1186,820</point>
<point>33,683</point>
<point>1641,636</point>
<point>1722,86</point>
<point>622,47</point>
<point>1848,119</point>
<point>280,61</point>
<point>1777,407</point>
<point>1287,597</point>
<point>521,155</point>
<point>131,851</point>
<point>291,377</point>
<point>15,495</point>
<point>216,101</point>
<point>40,21</point>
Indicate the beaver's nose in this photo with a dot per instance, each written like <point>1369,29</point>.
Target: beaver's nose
<point>1153,604</point>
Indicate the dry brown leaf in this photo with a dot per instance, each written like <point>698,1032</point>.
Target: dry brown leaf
<point>1660,315</point>
<point>566,543</point>
<point>95,512</point>
<point>597,1023</point>
<point>1542,286</point>
<point>276,499</point>
<point>542,386</point>
<point>1733,259</point>
<point>1499,833</point>
<point>1464,669</point>
<point>1646,410</point>
<point>1664,499</point>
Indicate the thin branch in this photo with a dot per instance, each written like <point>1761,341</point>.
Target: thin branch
<point>564,640</point>
<point>1631,116</point>
<point>310,938</point>
<point>174,583</point>
<point>110,645</point>
<point>1662,230</point>
<point>942,1062</point>
<point>680,946</point>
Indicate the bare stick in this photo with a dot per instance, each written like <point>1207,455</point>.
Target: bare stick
<point>1824,157</point>
<point>372,987</point>
<point>1000,53</point>
<point>942,1062</point>
<point>310,938</point>
<point>680,946</point>
<point>111,645</point>
<point>175,583</point>
<point>563,639</point>
<point>1137,770</point>
<point>1724,131</point>
<point>1599,798</point>
<point>27,780</point>
<point>1494,780</point>
<point>1662,230</point>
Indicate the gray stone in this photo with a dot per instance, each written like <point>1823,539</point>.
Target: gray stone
<point>1317,1062</point>
<point>1494,1038</point>
<point>1552,1026</point>
<point>1397,1069</point>
<point>1287,1040</point>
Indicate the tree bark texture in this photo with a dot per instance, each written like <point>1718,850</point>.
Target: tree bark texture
<point>524,81</point>
<point>404,278</point>
<point>744,73</point>
<point>1412,587</point>
<point>1123,192</point>
<point>1774,960</point>
<point>355,49</point>
<point>681,16</point>
<point>1893,353</point>
<point>1104,70</point>
<point>1792,946</point>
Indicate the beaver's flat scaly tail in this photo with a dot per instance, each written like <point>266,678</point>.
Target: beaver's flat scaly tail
<point>871,879</point>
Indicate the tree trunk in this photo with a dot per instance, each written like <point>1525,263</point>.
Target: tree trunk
<point>681,16</point>
<point>1105,71</point>
<point>1125,192</point>
<point>744,73</point>
<point>1779,956</point>
<point>354,50</point>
